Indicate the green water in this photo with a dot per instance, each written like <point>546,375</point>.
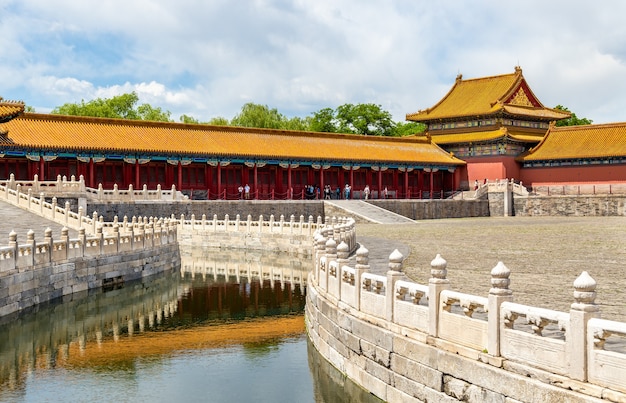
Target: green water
<point>191,338</point>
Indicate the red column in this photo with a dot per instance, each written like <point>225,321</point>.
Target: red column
<point>137,184</point>
<point>380,183</point>
<point>351,182</point>
<point>92,176</point>
<point>179,181</point>
<point>406,183</point>
<point>256,183</point>
<point>219,179</point>
<point>42,173</point>
<point>289,190</point>
<point>431,184</point>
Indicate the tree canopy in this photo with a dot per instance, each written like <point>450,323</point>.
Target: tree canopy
<point>573,119</point>
<point>120,107</point>
<point>366,119</point>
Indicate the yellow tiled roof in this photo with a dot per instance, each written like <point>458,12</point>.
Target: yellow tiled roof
<point>485,96</point>
<point>490,135</point>
<point>580,142</point>
<point>10,109</point>
<point>39,131</point>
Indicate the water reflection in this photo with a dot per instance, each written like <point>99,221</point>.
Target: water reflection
<point>224,320</point>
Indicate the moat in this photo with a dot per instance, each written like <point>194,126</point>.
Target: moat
<point>191,335</point>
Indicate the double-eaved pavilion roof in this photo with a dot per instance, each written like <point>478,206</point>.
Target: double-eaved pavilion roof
<point>481,97</point>
<point>500,133</point>
<point>68,135</point>
<point>588,142</point>
<point>10,110</point>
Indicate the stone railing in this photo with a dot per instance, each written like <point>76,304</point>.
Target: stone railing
<point>403,340</point>
<point>269,234</point>
<point>39,271</point>
<point>578,189</point>
<point>63,187</point>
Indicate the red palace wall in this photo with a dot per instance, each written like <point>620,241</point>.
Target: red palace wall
<point>492,168</point>
<point>573,174</point>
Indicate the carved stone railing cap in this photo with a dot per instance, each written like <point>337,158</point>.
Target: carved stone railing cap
<point>584,292</point>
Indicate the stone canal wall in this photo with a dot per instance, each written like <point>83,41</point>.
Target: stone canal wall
<point>221,208</point>
<point>410,342</point>
<point>570,205</point>
<point>33,272</point>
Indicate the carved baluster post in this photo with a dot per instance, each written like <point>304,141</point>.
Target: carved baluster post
<point>393,274</point>
<point>48,240</point>
<point>65,237</point>
<point>82,238</point>
<point>13,244</point>
<point>362,266</point>
<point>30,240</point>
<point>343,251</point>
<point>331,255</point>
<point>438,282</point>
<point>498,294</point>
<point>581,311</point>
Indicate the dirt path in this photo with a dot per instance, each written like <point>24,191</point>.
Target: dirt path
<point>545,255</point>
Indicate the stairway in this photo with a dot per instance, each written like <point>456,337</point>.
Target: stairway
<point>364,212</point>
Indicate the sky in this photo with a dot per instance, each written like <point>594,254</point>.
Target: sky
<point>207,58</point>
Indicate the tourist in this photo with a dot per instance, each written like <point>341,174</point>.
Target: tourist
<point>385,193</point>
<point>246,191</point>
<point>346,192</point>
<point>240,189</point>
<point>366,191</point>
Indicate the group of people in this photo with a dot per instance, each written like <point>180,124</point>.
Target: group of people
<point>313,192</point>
<point>244,192</point>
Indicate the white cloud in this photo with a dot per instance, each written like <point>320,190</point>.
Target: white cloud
<point>208,58</point>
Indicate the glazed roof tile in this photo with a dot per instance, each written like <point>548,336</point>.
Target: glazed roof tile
<point>486,96</point>
<point>482,136</point>
<point>10,110</point>
<point>55,132</point>
<point>580,142</point>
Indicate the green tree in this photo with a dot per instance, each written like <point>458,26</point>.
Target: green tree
<point>255,115</point>
<point>408,128</point>
<point>188,119</point>
<point>324,121</point>
<point>573,119</point>
<point>119,107</point>
<point>367,119</point>
<point>218,121</point>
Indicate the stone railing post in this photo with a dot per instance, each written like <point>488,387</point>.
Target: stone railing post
<point>42,200</point>
<point>319,243</point>
<point>13,244</point>
<point>362,266</point>
<point>343,252</point>
<point>438,282</point>
<point>393,274</point>
<point>47,238</point>
<point>30,241</point>
<point>65,237</point>
<point>581,311</point>
<point>82,239</point>
<point>498,294</point>
<point>100,236</point>
<point>331,255</point>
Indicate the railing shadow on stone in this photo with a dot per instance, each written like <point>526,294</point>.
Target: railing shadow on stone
<point>495,330</point>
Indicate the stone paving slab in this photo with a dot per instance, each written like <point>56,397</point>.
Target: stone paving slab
<point>16,219</point>
<point>545,255</point>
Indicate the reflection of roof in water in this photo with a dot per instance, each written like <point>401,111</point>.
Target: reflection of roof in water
<point>148,345</point>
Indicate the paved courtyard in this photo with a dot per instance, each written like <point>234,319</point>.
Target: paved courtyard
<point>545,255</point>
